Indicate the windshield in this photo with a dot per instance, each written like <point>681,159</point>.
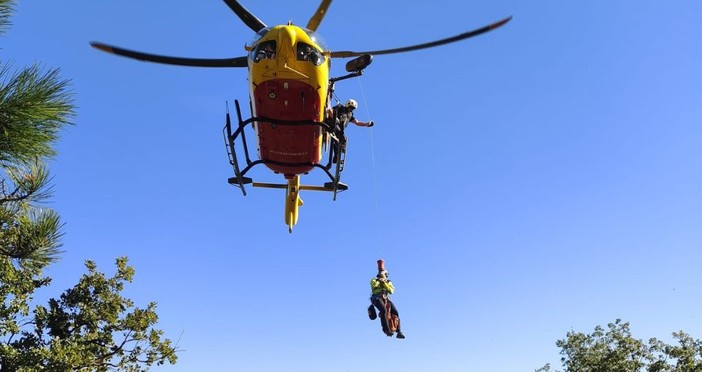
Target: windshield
<point>305,52</point>
<point>316,39</point>
<point>261,33</point>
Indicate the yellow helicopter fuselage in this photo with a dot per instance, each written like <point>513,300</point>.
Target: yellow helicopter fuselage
<point>289,81</point>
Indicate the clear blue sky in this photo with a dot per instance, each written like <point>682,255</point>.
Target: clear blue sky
<point>541,178</point>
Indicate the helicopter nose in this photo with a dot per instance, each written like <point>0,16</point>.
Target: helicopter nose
<point>286,42</point>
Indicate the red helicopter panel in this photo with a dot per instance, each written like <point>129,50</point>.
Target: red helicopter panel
<point>299,145</point>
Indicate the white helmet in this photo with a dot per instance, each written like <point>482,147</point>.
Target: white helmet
<point>352,103</point>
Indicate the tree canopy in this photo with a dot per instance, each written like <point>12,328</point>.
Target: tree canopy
<point>615,349</point>
<point>88,327</point>
<point>91,326</point>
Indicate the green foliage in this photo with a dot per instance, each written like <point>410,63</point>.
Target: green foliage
<point>90,327</point>
<point>615,349</point>
<point>6,7</point>
<point>34,106</point>
<point>28,233</point>
<point>16,288</point>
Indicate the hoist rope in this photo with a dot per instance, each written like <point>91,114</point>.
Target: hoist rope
<point>378,230</point>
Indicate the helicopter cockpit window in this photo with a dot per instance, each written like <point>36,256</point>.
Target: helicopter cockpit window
<point>264,50</point>
<point>306,52</point>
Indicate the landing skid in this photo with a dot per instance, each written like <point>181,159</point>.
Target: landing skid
<point>333,168</point>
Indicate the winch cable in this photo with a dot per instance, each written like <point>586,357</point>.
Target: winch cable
<point>378,224</point>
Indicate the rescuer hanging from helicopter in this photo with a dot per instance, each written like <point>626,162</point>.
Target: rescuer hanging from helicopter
<point>343,114</point>
<point>381,289</point>
<point>339,117</point>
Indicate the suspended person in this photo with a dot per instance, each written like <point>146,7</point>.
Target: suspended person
<point>339,117</point>
<point>381,289</point>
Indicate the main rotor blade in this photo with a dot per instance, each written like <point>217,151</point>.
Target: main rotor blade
<point>465,35</point>
<point>197,62</point>
<point>318,15</point>
<point>246,16</point>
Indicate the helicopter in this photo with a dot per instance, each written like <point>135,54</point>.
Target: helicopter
<point>290,94</point>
